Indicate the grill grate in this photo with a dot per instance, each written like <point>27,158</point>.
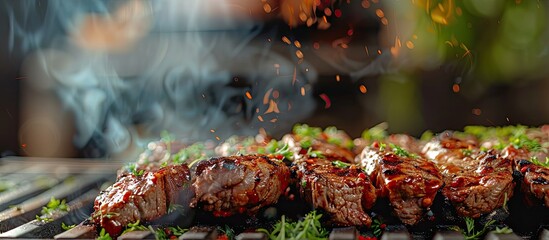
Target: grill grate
<point>29,183</point>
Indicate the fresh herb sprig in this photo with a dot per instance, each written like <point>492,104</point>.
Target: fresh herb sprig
<point>227,231</point>
<point>307,228</point>
<point>376,133</point>
<point>377,227</point>
<point>132,168</point>
<point>194,152</point>
<point>67,227</point>
<point>340,164</point>
<point>54,205</point>
<point>315,154</point>
<point>103,235</point>
<point>535,160</point>
<point>469,232</point>
<point>401,152</point>
<point>134,227</point>
<point>503,230</point>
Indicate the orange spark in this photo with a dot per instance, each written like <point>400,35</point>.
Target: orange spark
<point>365,3</point>
<point>455,88</point>
<point>297,44</point>
<point>384,21</point>
<point>316,45</point>
<point>273,107</point>
<point>286,40</point>
<point>302,91</point>
<point>260,118</point>
<point>299,54</point>
<point>326,99</point>
<point>294,76</point>
<point>380,13</point>
<point>217,137</point>
<point>338,78</point>
<point>363,89</point>
<point>274,120</point>
<point>477,111</point>
<point>379,51</point>
<point>212,131</point>
<point>248,95</point>
<point>267,8</point>
<point>266,96</point>
<point>410,44</point>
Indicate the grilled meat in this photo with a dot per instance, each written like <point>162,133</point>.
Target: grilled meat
<point>476,182</point>
<point>162,153</point>
<point>408,180</point>
<point>343,193</point>
<point>330,142</point>
<point>144,198</point>
<point>535,179</point>
<point>238,184</point>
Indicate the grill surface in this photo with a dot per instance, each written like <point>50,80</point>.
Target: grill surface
<point>30,183</point>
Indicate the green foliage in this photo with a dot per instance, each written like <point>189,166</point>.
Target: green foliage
<point>503,230</point>
<point>376,227</point>
<point>194,152</point>
<point>103,235</point>
<point>132,168</point>
<point>378,132</point>
<point>307,228</point>
<point>228,231</point>
<point>535,160</point>
<point>470,233</point>
<point>53,206</point>
<point>67,227</point>
<point>303,130</point>
<point>341,164</point>
<point>134,227</point>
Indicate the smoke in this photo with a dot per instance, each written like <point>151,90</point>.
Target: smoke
<point>129,70</point>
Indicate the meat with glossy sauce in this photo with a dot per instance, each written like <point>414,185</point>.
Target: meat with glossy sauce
<point>343,193</point>
<point>476,182</point>
<point>239,184</point>
<point>145,198</point>
<point>535,179</point>
<point>410,182</point>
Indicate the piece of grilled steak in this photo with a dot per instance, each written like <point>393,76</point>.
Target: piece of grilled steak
<point>535,179</point>
<point>330,141</point>
<point>408,180</point>
<point>145,198</point>
<point>239,184</point>
<point>476,182</point>
<point>159,154</point>
<point>344,193</point>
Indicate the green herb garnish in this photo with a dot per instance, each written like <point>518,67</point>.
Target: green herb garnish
<point>132,169</point>
<point>466,152</point>
<point>54,205</point>
<point>134,227</point>
<point>159,233</point>
<point>307,228</point>
<point>469,232</point>
<point>303,130</point>
<point>315,154</point>
<point>228,231</point>
<point>341,164</point>
<point>194,152</point>
<point>103,235</point>
<point>535,160</point>
<point>427,135</point>
<point>378,132</point>
<point>503,230</point>
<point>377,227</point>
<point>401,152</point>
<point>67,227</point>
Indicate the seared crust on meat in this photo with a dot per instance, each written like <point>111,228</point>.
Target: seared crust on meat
<point>535,179</point>
<point>476,182</point>
<point>238,184</point>
<point>343,193</point>
<point>410,182</point>
<point>145,198</point>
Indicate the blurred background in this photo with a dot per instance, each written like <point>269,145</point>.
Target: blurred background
<point>103,78</point>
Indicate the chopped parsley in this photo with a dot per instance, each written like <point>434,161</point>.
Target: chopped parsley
<point>54,205</point>
<point>315,154</point>
<point>466,152</point>
<point>103,235</point>
<point>132,168</point>
<point>401,152</point>
<point>341,164</point>
<point>67,227</point>
<point>303,130</point>
<point>194,152</point>
<point>134,227</point>
<point>535,160</point>
<point>378,132</point>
